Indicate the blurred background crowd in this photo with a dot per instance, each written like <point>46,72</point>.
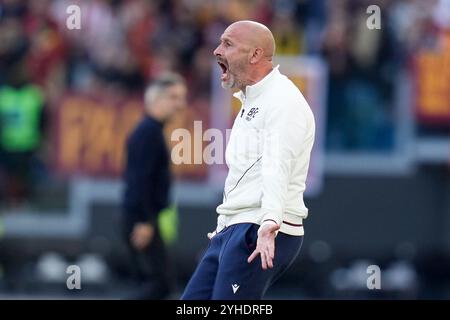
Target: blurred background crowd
<point>387,129</point>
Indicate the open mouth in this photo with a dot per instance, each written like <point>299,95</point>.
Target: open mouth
<point>224,68</point>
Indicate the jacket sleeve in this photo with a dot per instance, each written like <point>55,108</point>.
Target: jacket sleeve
<point>284,133</point>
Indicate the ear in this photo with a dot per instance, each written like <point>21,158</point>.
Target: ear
<point>255,55</point>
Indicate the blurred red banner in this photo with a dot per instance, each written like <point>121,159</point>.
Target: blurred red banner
<point>91,132</point>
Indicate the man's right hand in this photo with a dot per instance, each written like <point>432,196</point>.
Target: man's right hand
<point>142,235</point>
<point>265,245</point>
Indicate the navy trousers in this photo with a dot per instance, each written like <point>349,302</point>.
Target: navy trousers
<point>224,273</point>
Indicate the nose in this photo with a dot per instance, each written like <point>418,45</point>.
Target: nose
<point>217,51</point>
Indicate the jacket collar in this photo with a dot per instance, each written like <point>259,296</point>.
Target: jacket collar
<point>259,87</point>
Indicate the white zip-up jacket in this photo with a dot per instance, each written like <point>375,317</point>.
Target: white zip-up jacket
<point>268,156</point>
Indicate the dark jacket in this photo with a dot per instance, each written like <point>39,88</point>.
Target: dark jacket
<point>147,173</point>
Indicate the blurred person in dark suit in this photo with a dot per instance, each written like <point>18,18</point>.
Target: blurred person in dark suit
<point>148,178</point>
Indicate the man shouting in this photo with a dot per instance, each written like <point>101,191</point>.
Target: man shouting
<point>260,224</point>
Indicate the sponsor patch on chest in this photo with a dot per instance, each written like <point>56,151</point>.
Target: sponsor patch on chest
<point>251,114</point>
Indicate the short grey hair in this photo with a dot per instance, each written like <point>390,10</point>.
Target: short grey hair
<point>161,83</point>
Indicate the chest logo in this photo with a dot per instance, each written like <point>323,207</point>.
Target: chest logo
<point>251,114</point>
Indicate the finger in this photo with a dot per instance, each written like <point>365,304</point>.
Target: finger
<point>269,260</point>
<point>272,251</point>
<point>209,235</point>
<point>253,256</point>
<point>263,260</point>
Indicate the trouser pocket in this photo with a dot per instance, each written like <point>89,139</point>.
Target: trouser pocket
<point>251,237</point>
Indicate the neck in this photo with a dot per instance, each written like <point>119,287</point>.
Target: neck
<point>155,115</point>
<point>257,75</point>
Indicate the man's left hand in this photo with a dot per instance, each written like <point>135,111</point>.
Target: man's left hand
<point>265,245</point>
